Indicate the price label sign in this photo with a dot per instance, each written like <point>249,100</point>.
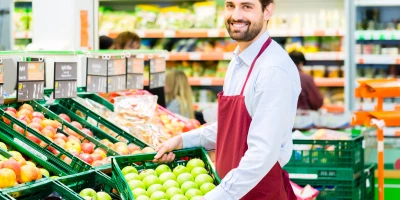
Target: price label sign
<point>157,72</point>
<point>134,77</point>
<point>116,75</point>
<point>30,81</point>
<point>1,84</point>
<point>65,78</point>
<point>96,79</point>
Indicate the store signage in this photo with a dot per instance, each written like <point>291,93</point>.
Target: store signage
<point>134,77</point>
<point>116,76</point>
<point>65,80</point>
<point>1,83</point>
<point>96,79</point>
<point>30,81</point>
<point>157,72</point>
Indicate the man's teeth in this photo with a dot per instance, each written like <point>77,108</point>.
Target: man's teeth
<point>239,25</point>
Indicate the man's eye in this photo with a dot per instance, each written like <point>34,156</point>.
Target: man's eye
<point>229,6</point>
<point>247,7</point>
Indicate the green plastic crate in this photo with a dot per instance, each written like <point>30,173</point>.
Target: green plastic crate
<point>143,161</point>
<point>334,189</point>
<point>91,179</point>
<point>76,107</point>
<point>344,154</point>
<point>76,164</point>
<point>326,173</point>
<point>50,115</point>
<point>368,192</point>
<point>40,191</point>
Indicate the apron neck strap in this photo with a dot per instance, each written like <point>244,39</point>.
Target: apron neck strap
<point>264,46</point>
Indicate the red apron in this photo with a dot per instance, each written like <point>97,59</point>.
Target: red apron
<point>233,127</point>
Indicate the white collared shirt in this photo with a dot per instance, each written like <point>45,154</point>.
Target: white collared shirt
<point>271,96</point>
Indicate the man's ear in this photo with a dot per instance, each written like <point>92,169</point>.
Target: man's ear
<point>269,10</point>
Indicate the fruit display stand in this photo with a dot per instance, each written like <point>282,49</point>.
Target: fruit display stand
<point>379,89</point>
<point>73,133</point>
<point>27,133</point>
<point>144,162</point>
<point>92,179</point>
<point>41,191</point>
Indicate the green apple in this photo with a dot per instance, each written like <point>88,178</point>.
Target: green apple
<point>170,183</point>
<point>179,197</point>
<point>180,169</point>
<point>167,176</point>
<point>129,169</point>
<point>196,198</point>
<point>184,177</point>
<point>89,192</point>
<point>142,197</point>
<point>132,176</point>
<point>103,196</point>
<point>3,146</point>
<point>158,195</point>
<point>151,180</point>
<point>194,163</point>
<point>188,185</point>
<point>206,187</point>
<point>203,178</point>
<point>139,192</point>
<point>155,188</point>
<point>192,193</point>
<point>162,168</point>
<point>198,170</point>
<point>44,172</point>
<point>87,198</point>
<point>173,191</point>
<point>147,172</point>
<point>133,184</point>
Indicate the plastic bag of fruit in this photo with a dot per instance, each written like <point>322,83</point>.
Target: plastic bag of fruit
<point>136,108</point>
<point>151,134</point>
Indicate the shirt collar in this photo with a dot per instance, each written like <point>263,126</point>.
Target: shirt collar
<point>250,53</point>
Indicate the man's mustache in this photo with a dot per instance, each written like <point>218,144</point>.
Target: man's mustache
<point>230,20</point>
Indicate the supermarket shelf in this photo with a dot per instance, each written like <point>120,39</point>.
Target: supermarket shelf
<point>377,3</point>
<point>378,34</point>
<point>221,33</point>
<point>212,81</point>
<point>228,56</point>
<point>378,59</point>
<point>23,35</point>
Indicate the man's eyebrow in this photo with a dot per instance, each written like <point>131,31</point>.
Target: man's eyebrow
<point>242,3</point>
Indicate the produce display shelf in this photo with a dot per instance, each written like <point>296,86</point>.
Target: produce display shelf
<point>76,164</point>
<point>323,154</point>
<point>378,59</point>
<point>75,109</point>
<point>91,179</point>
<point>378,35</point>
<point>40,191</point>
<point>144,161</point>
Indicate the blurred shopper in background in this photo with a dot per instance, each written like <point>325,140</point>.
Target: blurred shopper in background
<point>179,94</point>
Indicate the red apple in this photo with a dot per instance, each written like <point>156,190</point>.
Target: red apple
<point>132,148</point>
<point>96,156</point>
<point>67,160</point>
<point>101,152</point>
<point>60,142</point>
<point>86,157</point>
<point>24,118</point>
<point>46,122</point>
<point>10,113</point>
<point>21,160</point>
<point>65,117</point>
<point>76,124</point>
<point>12,164</point>
<point>73,138</point>
<point>73,151</point>
<point>48,133</point>
<point>97,163</point>
<point>106,160</point>
<point>36,120</point>
<point>11,109</point>
<point>38,115</point>
<point>27,107</point>
<point>122,150</point>
<point>36,126</point>
<point>50,128</point>
<point>61,136</point>
<point>33,138</point>
<point>87,131</point>
<point>87,147</point>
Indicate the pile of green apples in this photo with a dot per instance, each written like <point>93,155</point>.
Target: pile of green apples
<point>188,182</point>
<point>90,194</point>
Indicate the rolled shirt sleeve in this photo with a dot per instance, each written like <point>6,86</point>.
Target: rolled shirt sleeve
<point>205,137</point>
<point>272,121</point>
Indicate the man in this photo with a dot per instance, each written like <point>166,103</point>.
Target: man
<point>256,112</point>
<point>310,97</point>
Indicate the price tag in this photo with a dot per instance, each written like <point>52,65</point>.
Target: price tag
<point>1,83</point>
<point>157,72</point>
<point>65,78</point>
<point>30,149</point>
<point>30,81</point>
<point>96,79</point>
<point>116,75</point>
<point>135,69</point>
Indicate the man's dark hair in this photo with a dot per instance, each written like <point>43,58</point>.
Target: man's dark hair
<point>265,3</point>
<point>297,57</point>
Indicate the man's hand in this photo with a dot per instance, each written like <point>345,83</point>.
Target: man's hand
<point>168,146</point>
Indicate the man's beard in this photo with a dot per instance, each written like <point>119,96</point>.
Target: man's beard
<point>247,35</point>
